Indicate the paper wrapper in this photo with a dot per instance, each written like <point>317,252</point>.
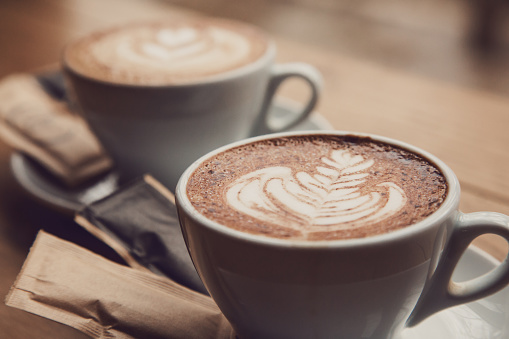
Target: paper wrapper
<point>139,221</point>
<point>35,123</point>
<point>71,285</point>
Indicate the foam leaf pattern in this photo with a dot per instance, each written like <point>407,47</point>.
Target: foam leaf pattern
<point>329,199</point>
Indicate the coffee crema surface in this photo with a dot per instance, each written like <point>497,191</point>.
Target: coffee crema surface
<point>166,53</point>
<point>317,188</point>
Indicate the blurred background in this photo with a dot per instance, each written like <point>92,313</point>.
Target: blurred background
<point>460,41</point>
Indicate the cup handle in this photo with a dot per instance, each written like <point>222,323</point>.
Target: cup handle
<point>280,73</point>
<point>440,291</point>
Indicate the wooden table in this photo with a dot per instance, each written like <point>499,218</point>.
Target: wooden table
<point>454,108</point>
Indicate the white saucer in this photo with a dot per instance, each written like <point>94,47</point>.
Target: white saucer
<point>483,319</point>
<point>43,186</point>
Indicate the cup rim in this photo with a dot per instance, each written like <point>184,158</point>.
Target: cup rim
<point>265,59</point>
<point>449,205</point>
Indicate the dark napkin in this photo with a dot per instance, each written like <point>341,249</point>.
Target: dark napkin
<point>141,216</point>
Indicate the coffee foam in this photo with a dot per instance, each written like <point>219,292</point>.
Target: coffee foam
<point>166,53</point>
<point>317,188</point>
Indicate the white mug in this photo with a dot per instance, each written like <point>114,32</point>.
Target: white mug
<point>162,129</point>
<point>370,287</point>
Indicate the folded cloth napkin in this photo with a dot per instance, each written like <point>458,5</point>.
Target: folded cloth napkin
<point>71,285</point>
<point>139,221</point>
<point>34,121</point>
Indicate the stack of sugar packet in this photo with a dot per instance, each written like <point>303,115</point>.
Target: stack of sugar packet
<point>71,285</point>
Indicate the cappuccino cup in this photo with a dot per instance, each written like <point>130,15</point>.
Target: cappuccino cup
<point>330,235</point>
<point>159,95</point>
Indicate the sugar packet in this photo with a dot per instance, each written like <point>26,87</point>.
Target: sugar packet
<point>35,123</point>
<point>139,221</point>
<point>71,285</point>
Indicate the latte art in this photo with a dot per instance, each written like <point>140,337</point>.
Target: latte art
<point>165,53</point>
<point>180,50</point>
<point>317,188</point>
<point>327,201</point>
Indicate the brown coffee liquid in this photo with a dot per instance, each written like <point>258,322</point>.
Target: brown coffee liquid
<point>317,188</point>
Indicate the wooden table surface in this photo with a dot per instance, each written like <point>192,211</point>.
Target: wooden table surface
<point>398,70</point>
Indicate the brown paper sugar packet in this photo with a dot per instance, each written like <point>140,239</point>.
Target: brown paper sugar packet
<point>140,222</point>
<point>33,122</point>
<point>71,285</point>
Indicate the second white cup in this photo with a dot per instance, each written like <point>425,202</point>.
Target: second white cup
<point>162,128</point>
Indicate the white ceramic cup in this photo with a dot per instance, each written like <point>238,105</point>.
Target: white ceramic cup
<point>162,129</point>
<point>358,288</point>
